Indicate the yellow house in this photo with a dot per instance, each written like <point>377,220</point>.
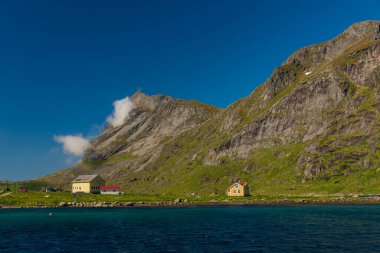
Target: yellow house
<point>238,189</point>
<point>87,184</point>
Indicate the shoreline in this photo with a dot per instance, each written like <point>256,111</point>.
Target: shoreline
<point>302,202</point>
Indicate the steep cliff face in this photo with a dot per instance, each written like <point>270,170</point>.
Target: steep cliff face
<point>154,119</point>
<point>312,126</point>
<point>152,123</point>
<point>304,98</point>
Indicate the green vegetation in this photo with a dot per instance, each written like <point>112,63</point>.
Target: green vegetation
<point>51,199</point>
<point>269,171</point>
<point>332,147</point>
<point>36,198</point>
<point>109,161</point>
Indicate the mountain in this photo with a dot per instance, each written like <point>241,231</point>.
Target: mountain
<point>313,126</point>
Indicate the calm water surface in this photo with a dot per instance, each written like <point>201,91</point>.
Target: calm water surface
<point>193,229</point>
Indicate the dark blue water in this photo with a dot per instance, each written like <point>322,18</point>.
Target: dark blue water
<point>193,229</point>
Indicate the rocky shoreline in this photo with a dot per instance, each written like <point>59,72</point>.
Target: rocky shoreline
<point>186,203</point>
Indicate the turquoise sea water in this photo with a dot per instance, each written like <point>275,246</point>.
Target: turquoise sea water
<point>193,229</point>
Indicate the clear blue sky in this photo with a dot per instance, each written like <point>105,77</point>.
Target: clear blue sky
<point>63,63</point>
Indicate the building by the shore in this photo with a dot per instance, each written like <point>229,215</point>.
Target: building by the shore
<point>87,184</point>
<point>23,189</point>
<point>110,190</point>
<point>238,189</point>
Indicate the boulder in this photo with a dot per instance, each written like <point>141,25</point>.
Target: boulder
<point>62,203</point>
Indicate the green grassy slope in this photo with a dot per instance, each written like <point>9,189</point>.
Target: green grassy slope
<point>345,156</point>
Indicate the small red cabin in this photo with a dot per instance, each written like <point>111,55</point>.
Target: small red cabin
<point>23,189</point>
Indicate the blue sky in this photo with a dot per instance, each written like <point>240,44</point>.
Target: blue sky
<point>63,63</point>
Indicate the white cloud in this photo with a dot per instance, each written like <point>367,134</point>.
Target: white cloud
<point>76,145</point>
<point>121,112</point>
<point>73,144</point>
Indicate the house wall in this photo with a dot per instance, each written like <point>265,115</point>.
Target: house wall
<point>96,183</point>
<point>109,192</point>
<point>22,189</point>
<point>246,191</point>
<point>88,187</point>
<point>81,187</point>
<point>238,190</point>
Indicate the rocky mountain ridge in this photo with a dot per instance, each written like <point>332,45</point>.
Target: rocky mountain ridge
<point>313,125</point>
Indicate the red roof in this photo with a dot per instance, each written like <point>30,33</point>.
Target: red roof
<point>103,188</point>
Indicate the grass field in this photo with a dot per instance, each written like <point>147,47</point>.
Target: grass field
<point>36,198</point>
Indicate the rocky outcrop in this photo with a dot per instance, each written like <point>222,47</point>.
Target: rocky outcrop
<point>154,120</point>
<point>297,117</point>
<point>119,151</point>
<point>307,94</point>
<point>324,99</point>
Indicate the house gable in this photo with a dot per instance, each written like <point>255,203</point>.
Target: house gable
<point>87,184</point>
<point>236,185</point>
<point>237,189</point>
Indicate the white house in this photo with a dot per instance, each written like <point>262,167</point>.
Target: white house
<point>110,190</point>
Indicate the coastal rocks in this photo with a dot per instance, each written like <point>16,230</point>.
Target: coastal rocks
<point>98,204</point>
<point>180,200</point>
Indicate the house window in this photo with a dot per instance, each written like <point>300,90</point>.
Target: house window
<point>236,186</point>
<point>234,191</point>
<point>238,191</point>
